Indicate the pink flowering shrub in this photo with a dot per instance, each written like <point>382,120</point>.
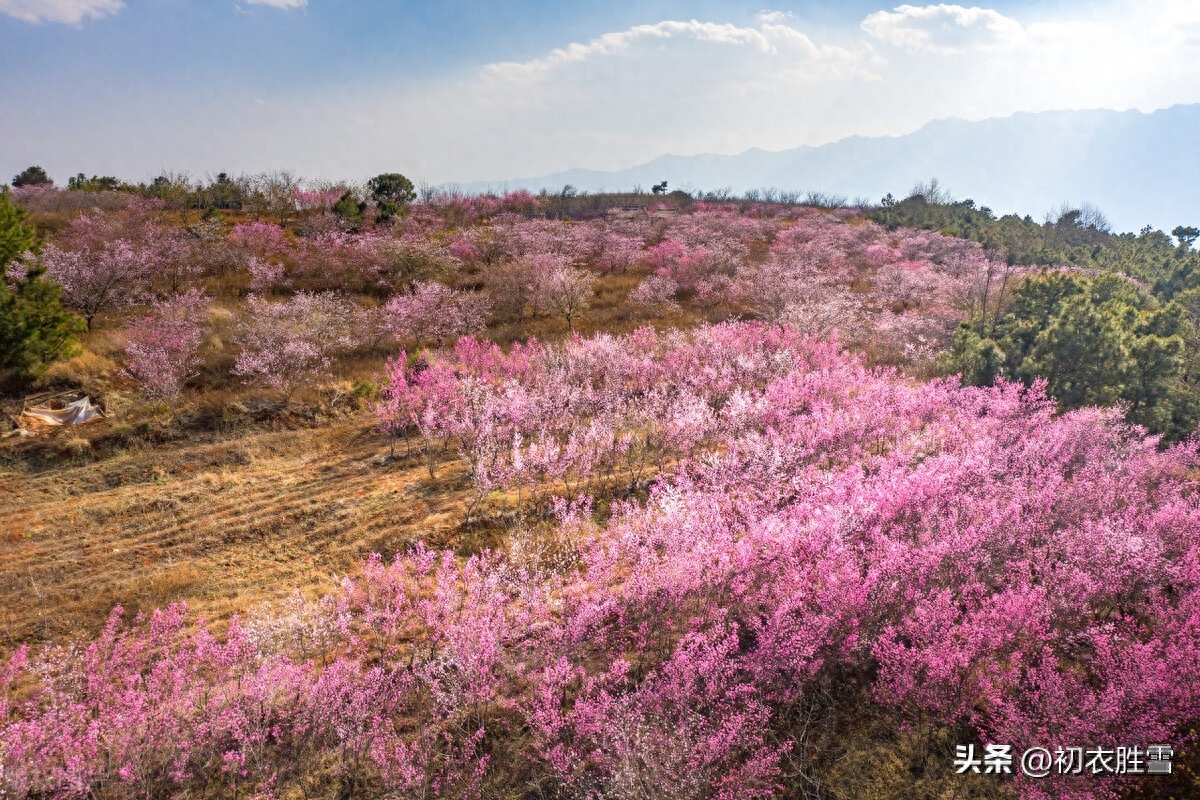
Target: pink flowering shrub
<point>898,295</point>
<point>408,259</point>
<point>287,343</point>
<point>655,293</point>
<point>520,201</point>
<point>109,261</point>
<point>464,247</point>
<point>260,238</point>
<point>45,199</point>
<point>319,200</point>
<point>617,252</point>
<point>432,312</point>
<point>335,261</point>
<point>686,267</point>
<point>528,239</point>
<point>266,276</point>
<point>559,289</point>
<point>589,415</point>
<point>161,348</point>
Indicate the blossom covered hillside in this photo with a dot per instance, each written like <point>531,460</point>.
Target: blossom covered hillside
<point>480,497</point>
<point>469,265</point>
<point>838,575</point>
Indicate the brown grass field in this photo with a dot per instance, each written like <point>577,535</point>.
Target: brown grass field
<point>223,525</point>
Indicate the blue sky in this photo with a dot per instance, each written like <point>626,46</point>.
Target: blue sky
<point>332,39</point>
<point>459,91</point>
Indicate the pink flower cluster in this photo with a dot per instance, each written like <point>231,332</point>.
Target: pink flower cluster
<point>432,312</point>
<point>317,199</point>
<point>161,349</point>
<point>287,343</point>
<point>587,415</point>
<point>261,238</point>
<point>112,260</point>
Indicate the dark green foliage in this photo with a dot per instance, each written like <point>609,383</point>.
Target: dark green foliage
<point>15,236</point>
<point>34,328</point>
<point>558,206</point>
<point>1098,340</point>
<point>349,208</point>
<point>1076,236</point>
<point>974,355</point>
<point>95,183</point>
<point>1186,234</point>
<point>175,190</point>
<point>391,188</point>
<point>223,193</point>
<point>1113,338</point>
<point>1187,393</point>
<point>32,176</point>
<point>391,192</point>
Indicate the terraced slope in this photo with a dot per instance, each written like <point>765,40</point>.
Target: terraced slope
<point>222,525</point>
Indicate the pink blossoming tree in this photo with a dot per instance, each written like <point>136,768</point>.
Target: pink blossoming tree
<point>287,343</point>
<point>161,348</point>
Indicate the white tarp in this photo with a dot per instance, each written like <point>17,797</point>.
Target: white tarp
<point>76,413</point>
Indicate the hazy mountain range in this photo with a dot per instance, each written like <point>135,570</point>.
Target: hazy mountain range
<point>1137,168</point>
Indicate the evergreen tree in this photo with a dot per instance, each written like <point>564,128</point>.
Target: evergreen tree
<point>34,328</point>
<point>1096,341</point>
<point>349,208</point>
<point>32,176</point>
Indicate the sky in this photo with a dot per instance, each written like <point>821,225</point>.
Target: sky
<point>468,90</point>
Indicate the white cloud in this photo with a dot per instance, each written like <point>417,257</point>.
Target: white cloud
<point>709,86</point>
<point>71,12</point>
<point>724,52</point>
<point>943,29</point>
<point>279,3</point>
<point>624,43</point>
<point>773,17</point>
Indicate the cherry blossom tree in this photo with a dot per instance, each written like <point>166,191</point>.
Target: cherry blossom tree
<point>559,289</point>
<point>261,238</point>
<point>317,199</point>
<point>107,262</point>
<point>287,343</point>
<point>266,276</point>
<point>161,348</point>
<point>433,312</point>
<point>654,293</point>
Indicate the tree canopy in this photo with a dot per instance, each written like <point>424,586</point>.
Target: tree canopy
<point>1095,340</point>
<point>32,176</point>
<point>391,187</point>
<point>1078,236</point>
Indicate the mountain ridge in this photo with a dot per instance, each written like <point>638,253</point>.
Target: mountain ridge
<point>1136,167</point>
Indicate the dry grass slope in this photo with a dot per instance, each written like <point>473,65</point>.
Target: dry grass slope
<point>222,525</point>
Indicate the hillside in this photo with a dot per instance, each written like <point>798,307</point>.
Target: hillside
<point>477,498</point>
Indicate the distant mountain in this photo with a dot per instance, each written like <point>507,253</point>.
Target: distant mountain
<point>1139,169</point>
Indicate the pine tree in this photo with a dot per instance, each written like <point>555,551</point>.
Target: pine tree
<point>34,328</point>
